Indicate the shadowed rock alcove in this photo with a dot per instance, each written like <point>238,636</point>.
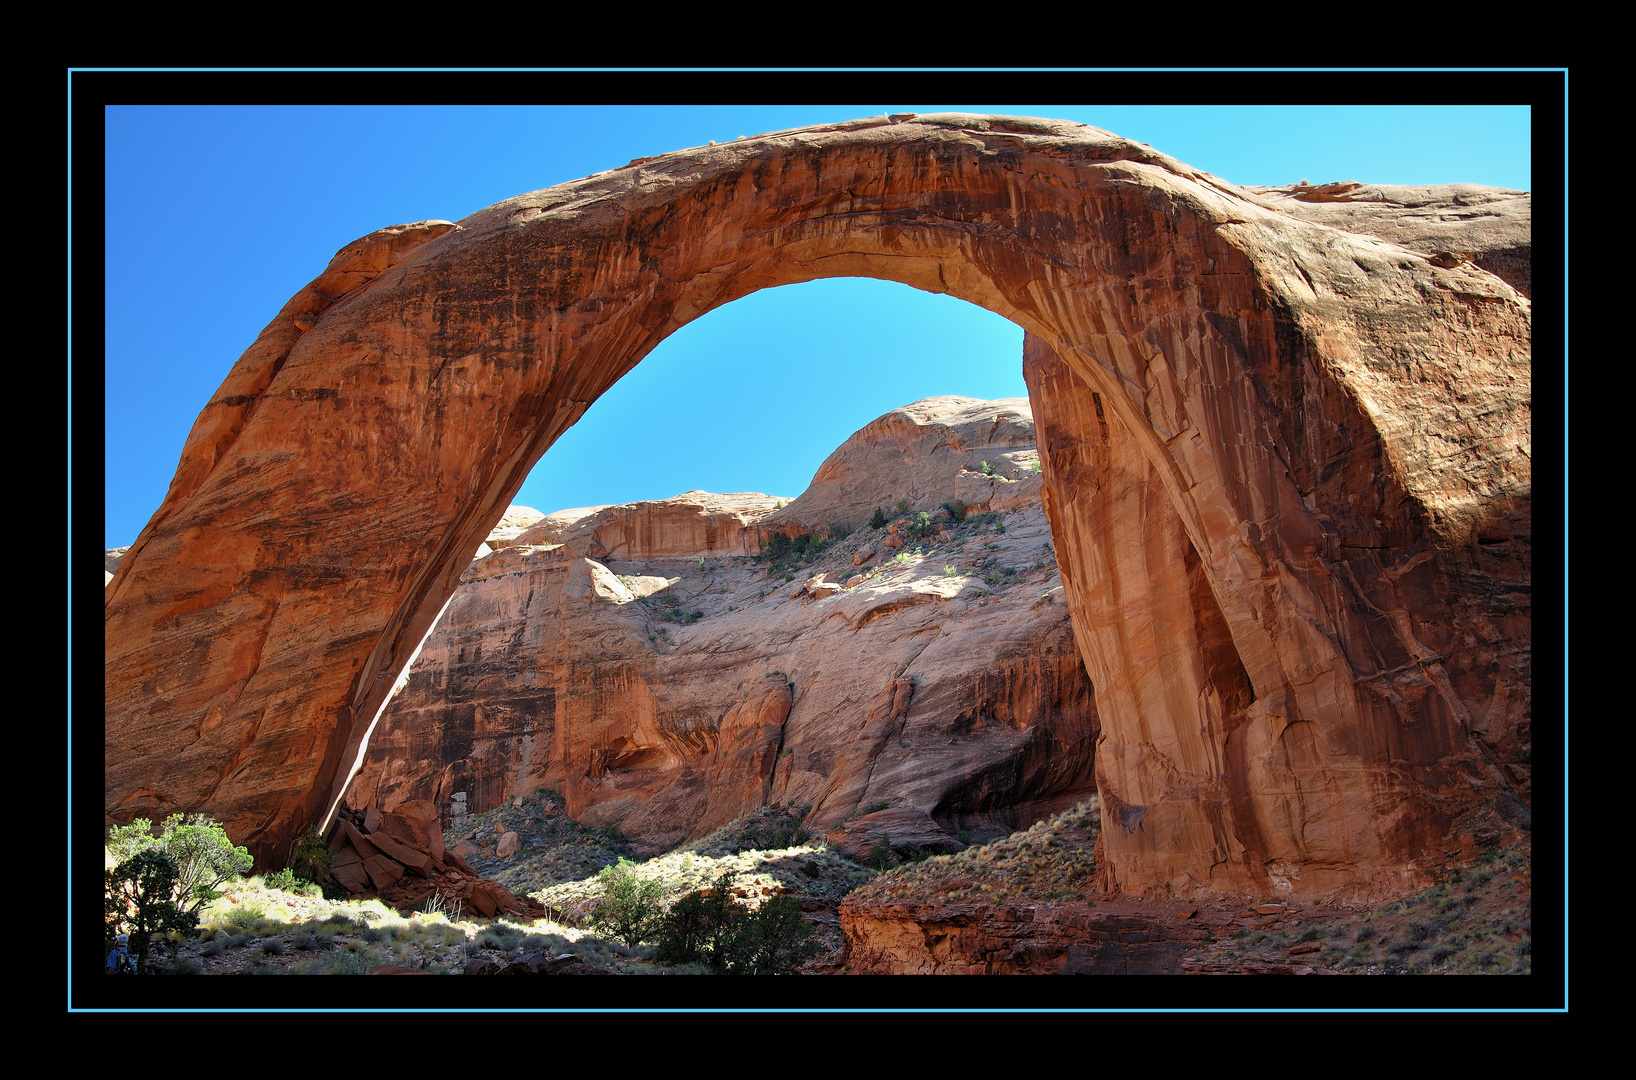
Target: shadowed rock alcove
<point>1286,473</point>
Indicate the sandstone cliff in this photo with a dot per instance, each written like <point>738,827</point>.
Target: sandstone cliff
<point>638,660</point>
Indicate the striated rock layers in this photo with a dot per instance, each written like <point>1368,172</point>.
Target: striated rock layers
<point>1339,424</point>
<point>638,662</point>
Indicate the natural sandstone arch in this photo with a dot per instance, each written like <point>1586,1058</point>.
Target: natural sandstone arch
<point>1321,428</point>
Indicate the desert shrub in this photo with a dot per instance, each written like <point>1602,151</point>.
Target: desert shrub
<point>142,895</point>
<point>956,509</point>
<point>902,507</point>
<point>630,908</point>
<point>879,857</point>
<point>312,860</point>
<point>988,470</point>
<point>808,546</point>
<point>774,940</point>
<point>877,520</point>
<point>200,850</point>
<point>280,879</point>
<point>714,927</point>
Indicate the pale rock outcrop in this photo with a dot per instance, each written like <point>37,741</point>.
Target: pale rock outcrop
<point>1488,227</point>
<point>933,452</point>
<point>676,688</point>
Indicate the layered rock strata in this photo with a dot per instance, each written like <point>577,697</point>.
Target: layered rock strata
<point>640,663</point>
<point>1301,393</point>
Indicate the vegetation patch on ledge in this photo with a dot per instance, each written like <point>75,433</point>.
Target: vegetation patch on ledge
<point>1050,862</point>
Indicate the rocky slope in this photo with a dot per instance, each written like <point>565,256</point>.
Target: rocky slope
<point>922,677</point>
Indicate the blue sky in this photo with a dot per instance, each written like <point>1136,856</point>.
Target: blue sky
<point>215,216</point>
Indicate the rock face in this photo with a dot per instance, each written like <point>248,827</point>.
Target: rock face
<point>1339,423</point>
<point>1214,780</point>
<point>1490,228</point>
<point>1044,939</point>
<point>639,662</point>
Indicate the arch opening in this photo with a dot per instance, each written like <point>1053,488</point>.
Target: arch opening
<point>635,681</point>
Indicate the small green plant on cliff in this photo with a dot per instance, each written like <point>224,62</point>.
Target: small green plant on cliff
<point>988,470</point>
<point>879,857</point>
<point>877,520</point>
<point>902,507</point>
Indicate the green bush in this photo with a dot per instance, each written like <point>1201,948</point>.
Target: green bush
<point>280,879</point>
<point>312,860</point>
<point>956,509</point>
<point>141,895</point>
<point>877,520</point>
<point>988,470</point>
<point>902,507</point>
<point>734,940</point>
<point>630,908</point>
<point>879,857</point>
<point>199,848</point>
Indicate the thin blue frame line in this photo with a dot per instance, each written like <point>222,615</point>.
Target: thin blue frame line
<point>1566,547</point>
<point>69,373</point>
<point>813,70</point>
<point>386,1009</point>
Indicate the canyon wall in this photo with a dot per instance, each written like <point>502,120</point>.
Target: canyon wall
<point>636,661</point>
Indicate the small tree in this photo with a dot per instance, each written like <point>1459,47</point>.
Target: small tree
<point>312,860</point>
<point>198,847</point>
<point>733,939</point>
<point>877,520</point>
<point>775,939</point>
<point>630,908</point>
<point>140,895</point>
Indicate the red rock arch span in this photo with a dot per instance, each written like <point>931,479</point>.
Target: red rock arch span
<point>1275,451</point>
